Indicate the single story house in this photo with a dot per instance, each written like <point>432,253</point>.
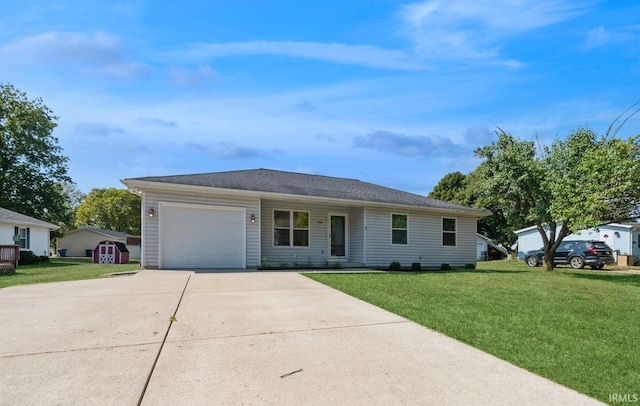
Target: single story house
<point>27,232</point>
<point>624,239</point>
<point>82,241</point>
<point>255,218</point>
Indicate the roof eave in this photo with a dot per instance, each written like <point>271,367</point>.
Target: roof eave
<point>28,223</point>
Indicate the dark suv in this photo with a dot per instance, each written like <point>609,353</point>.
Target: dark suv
<point>577,254</point>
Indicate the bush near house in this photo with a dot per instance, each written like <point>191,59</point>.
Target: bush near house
<point>29,258</point>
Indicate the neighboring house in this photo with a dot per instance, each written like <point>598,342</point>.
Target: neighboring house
<point>253,218</point>
<point>624,239</point>
<point>485,249</point>
<point>82,241</point>
<point>29,233</point>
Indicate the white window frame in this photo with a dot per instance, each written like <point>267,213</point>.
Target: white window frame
<point>23,237</point>
<point>406,229</point>
<point>291,228</point>
<point>455,232</point>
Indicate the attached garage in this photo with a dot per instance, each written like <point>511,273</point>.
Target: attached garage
<point>200,236</point>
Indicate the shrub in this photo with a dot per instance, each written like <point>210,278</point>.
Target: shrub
<point>395,266</point>
<point>28,258</point>
<point>416,266</point>
<point>445,267</point>
<point>265,263</point>
<point>469,266</point>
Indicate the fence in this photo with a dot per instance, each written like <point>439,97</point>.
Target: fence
<point>10,254</point>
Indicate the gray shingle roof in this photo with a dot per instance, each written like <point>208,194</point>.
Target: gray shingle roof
<point>8,216</point>
<point>290,183</point>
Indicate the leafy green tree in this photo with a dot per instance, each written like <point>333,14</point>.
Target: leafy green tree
<point>110,209</point>
<point>580,182</point>
<point>455,187</point>
<point>73,197</point>
<point>32,167</point>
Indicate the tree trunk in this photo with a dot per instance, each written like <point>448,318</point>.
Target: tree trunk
<point>547,261</point>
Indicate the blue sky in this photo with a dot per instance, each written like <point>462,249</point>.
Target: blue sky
<point>397,93</point>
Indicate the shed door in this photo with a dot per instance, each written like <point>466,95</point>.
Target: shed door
<point>202,237</point>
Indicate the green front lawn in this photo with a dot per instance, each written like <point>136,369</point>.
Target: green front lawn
<point>578,328</point>
<point>63,269</point>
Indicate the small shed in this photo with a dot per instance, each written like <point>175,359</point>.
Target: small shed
<point>110,252</point>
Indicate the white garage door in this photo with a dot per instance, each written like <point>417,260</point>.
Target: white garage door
<point>202,237</point>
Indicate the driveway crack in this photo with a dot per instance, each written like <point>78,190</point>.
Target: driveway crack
<point>172,319</point>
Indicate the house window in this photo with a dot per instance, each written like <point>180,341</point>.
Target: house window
<point>449,232</point>
<point>399,229</point>
<point>22,236</point>
<point>290,228</point>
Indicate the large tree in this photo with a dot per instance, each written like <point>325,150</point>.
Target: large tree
<point>580,182</point>
<point>456,187</point>
<point>32,167</point>
<point>110,209</point>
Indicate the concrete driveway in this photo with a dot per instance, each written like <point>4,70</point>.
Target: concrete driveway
<point>179,338</point>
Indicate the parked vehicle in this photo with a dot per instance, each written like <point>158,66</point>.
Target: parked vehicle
<point>577,254</point>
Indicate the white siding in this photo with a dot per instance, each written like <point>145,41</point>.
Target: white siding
<point>424,239</point>
<point>38,238</point>
<point>318,251</point>
<point>369,233</point>
<point>39,241</point>
<point>356,229</point>
<point>152,199</point>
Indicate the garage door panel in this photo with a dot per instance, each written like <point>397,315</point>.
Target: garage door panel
<point>202,237</point>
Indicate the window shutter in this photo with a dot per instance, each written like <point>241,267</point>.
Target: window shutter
<point>28,238</point>
<point>16,230</point>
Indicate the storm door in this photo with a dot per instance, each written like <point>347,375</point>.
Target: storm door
<point>338,236</point>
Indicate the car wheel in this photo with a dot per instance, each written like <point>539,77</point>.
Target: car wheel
<point>532,260</point>
<point>576,262</point>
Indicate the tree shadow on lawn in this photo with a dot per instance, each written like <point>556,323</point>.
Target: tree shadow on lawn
<point>455,271</point>
<point>613,278</point>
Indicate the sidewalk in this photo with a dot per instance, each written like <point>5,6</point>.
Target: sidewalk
<point>238,338</point>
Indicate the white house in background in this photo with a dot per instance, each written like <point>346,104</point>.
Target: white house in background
<point>624,239</point>
<point>247,219</point>
<point>482,248</point>
<point>29,233</point>
<point>82,241</point>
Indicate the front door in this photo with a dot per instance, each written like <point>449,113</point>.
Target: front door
<point>338,236</point>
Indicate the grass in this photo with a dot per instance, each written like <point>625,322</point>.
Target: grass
<point>577,328</point>
<point>62,269</point>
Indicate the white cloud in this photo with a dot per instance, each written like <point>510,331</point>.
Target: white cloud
<point>407,145</point>
<point>180,76</point>
<point>94,53</point>
<point>601,36</point>
<point>226,150</point>
<point>362,55</point>
<point>442,29</point>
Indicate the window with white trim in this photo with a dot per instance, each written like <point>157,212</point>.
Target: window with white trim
<point>290,228</point>
<point>399,230</point>
<point>449,232</point>
<point>22,237</point>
